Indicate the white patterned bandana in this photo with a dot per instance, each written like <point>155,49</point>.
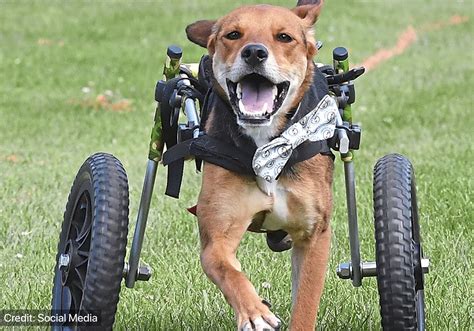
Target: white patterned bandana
<point>319,124</point>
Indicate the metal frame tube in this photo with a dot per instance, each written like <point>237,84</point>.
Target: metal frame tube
<point>192,115</point>
<point>353,226</point>
<point>145,200</point>
<point>420,310</point>
<point>190,108</point>
<point>342,135</point>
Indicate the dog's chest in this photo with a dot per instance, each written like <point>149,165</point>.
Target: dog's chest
<point>280,215</point>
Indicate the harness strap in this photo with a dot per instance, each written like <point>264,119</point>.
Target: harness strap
<point>169,117</point>
<point>226,156</point>
<point>203,148</point>
<point>175,160</point>
<point>307,150</point>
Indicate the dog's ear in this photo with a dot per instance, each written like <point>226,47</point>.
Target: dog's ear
<point>308,10</point>
<point>199,32</point>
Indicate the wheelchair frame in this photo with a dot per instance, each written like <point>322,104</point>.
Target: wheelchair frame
<point>346,139</point>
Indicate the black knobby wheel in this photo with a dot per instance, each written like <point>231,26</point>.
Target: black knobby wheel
<point>93,241</point>
<point>398,247</point>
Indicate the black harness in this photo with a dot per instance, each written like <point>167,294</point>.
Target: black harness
<point>224,144</point>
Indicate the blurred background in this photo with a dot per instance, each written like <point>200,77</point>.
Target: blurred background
<point>78,77</point>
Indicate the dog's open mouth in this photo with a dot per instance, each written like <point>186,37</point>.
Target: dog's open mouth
<point>255,98</point>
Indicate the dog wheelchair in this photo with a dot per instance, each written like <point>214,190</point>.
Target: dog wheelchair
<point>90,262</point>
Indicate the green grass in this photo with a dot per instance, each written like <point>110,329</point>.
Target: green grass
<point>419,104</point>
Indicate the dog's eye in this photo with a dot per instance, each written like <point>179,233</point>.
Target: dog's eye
<point>234,35</point>
<point>284,38</point>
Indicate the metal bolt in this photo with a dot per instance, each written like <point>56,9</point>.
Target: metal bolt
<point>64,261</point>
<point>344,270</point>
<point>425,265</point>
<point>143,273</point>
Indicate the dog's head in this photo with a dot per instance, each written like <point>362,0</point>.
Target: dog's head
<point>262,58</point>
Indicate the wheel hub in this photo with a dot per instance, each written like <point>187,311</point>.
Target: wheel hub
<point>68,260</point>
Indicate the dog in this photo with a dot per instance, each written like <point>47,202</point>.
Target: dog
<point>262,67</point>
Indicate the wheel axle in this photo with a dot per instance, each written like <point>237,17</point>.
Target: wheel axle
<point>64,260</point>
<point>369,269</point>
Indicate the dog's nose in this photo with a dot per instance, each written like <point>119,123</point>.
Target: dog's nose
<point>254,54</point>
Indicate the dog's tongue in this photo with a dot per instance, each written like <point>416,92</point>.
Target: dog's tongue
<point>255,93</point>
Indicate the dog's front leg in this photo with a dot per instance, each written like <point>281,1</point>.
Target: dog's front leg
<point>225,209</point>
<point>309,263</point>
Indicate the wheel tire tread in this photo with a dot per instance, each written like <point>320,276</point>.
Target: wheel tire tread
<point>393,235</point>
<point>109,234</point>
<point>110,231</point>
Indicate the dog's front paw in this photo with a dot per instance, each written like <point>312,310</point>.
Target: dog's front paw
<point>258,319</point>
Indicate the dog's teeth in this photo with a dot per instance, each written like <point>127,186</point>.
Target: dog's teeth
<point>264,108</point>
<point>241,106</point>
<point>275,91</point>
<point>239,91</point>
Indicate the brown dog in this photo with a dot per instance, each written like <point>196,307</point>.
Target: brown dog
<point>262,66</point>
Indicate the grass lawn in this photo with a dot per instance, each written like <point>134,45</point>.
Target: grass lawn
<point>418,104</point>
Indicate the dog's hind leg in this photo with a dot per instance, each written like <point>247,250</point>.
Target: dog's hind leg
<point>309,263</point>
<point>225,212</point>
